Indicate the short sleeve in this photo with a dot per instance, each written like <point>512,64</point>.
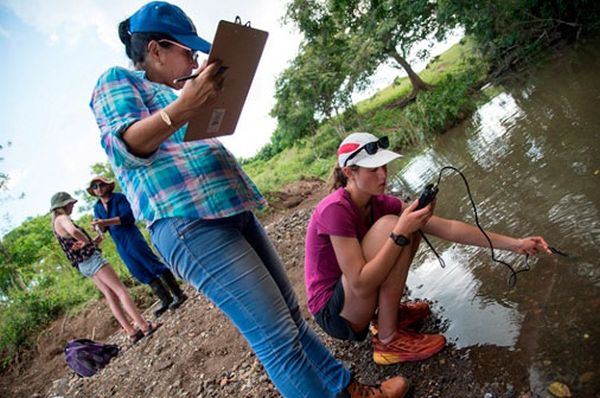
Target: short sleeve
<point>392,205</point>
<point>117,103</point>
<point>336,220</point>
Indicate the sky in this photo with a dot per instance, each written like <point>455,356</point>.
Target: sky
<point>52,54</point>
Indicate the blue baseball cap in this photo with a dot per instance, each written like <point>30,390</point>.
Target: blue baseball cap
<point>162,17</point>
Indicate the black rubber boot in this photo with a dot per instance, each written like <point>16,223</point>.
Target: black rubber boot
<point>163,295</point>
<point>178,296</point>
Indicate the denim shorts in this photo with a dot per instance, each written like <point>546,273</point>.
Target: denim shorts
<point>332,323</point>
<point>92,265</point>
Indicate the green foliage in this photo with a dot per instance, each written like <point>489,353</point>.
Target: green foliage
<point>29,311</point>
<point>509,31</point>
<point>345,42</point>
<point>308,90</point>
<point>22,247</point>
<point>295,162</point>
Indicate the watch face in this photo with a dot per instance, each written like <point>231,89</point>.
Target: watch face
<point>400,240</point>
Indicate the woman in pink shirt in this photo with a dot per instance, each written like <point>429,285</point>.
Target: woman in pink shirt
<point>359,247</point>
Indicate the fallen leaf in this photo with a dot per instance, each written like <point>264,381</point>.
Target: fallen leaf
<point>559,390</point>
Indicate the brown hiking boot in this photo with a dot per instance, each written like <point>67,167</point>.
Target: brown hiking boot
<point>396,387</point>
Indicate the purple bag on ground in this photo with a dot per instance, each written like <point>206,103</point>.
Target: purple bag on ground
<point>86,357</point>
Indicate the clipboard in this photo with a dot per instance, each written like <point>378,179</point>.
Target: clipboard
<point>239,47</point>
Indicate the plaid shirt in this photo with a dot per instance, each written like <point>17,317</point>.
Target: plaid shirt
<point>197,179</point>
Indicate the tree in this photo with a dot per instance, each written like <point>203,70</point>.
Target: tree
<point>510,31</point>
<point>21,249</point>
<point>374,31</point>
<point>308,90</point>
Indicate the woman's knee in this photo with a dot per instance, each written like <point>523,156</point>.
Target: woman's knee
<point>110,279</point>
<point>377,235</point>
<point>105,290</point>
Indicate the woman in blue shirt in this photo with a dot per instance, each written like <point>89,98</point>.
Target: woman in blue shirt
<point>112,212</point>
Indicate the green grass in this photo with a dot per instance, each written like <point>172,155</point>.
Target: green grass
<point>449,62</point>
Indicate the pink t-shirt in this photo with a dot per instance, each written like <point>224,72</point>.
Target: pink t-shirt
<point>335,215</point>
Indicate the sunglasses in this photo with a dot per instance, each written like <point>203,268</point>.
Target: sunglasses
<point>97,185</point>
<point>371,148</point>
<point>193,55</point>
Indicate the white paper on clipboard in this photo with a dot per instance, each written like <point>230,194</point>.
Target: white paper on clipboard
<point>239,47</point>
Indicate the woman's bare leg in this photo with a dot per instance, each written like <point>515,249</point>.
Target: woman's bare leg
<point>113,302</point>
<point>392,289</point>
<point>358,311</point>
<point>109,277</point>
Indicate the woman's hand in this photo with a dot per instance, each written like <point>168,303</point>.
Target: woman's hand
<point>531,245</point>
<point>205,87</point>
<point>412,220</point>
<point>144,137</point>
<point>78,245</point>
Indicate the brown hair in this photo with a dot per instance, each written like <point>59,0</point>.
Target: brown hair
<point>59,211</point>
<point>338,179</point>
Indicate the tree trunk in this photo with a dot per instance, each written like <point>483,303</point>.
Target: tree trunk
<point>415,80</point>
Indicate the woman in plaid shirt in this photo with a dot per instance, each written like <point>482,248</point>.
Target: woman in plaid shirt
<point>198,202</point>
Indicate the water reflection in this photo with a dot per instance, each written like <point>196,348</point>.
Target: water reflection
<point>493,123</point>
<point>531,156</point>
<point>458,290</point>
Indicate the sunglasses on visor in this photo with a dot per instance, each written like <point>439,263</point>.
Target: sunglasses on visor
<point>371,148</point>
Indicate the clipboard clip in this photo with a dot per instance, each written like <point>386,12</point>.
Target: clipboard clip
<point>238,20</point>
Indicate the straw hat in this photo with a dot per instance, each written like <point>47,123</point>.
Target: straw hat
<point>111,184</point>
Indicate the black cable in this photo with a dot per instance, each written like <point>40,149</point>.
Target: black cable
<point>440,259</point>
<point>512,279</point>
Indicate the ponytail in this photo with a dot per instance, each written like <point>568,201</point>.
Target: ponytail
<point>338,179</point>
<point>136,44</point>
<point>125,36</point>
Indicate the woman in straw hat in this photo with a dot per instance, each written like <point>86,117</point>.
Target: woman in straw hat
<point>360,243</point>
<point>199,203</point>
<point>112,212</point>
<point>82,251</point>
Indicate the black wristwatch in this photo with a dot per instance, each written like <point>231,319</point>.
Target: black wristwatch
<point>400,240</point>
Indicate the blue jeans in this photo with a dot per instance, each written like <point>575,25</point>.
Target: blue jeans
<point>233,263</point>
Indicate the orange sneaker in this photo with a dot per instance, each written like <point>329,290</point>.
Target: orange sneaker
<point>407,346</point>
<point>408,314</point>
<point>396,387</point>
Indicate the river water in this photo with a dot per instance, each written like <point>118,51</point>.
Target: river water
<point>531,156</point>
